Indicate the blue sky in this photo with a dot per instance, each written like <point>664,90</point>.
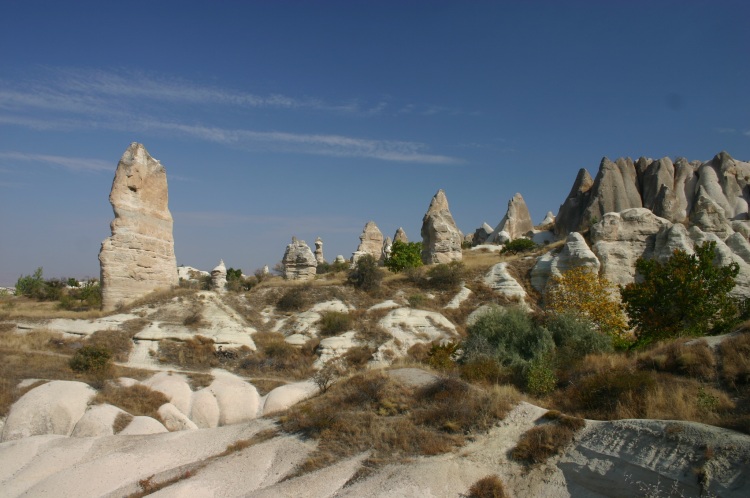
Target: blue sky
<point>283,118</point>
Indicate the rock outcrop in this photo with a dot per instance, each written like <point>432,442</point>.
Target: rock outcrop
<point>502,282</point>
<point>219,277</point>
<point>712,195</point>
<point>441,238</point>
<point>400,235</point>
<point>299,261</point>
<point>516,222</point>
<point>387,248</point>
<point>139,256</point>
<point>370,242</point>
<point>319,251</point>
<point>574,253</point>
<point>481,235</point>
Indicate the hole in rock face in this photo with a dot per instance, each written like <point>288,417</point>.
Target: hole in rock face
<point>133,189</point>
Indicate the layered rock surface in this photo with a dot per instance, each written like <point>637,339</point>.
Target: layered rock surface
<point>370,242</point>
<point>139,256</point>
<point>441,238</point>
<point>516,222</point>
<point>299,261</point>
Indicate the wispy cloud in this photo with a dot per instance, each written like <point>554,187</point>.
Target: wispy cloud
<point>78,164</point>
<point>114,100</point>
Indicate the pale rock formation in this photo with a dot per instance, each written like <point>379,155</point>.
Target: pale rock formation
<point>549,219</point>
<point>387,248</point>
<point>441,238</point>
<point>319,258</point>
<point>502,282</point>
<point>205,411</point>
<point>619,239</point>
<point>709,216</point>
<point>174,419</point>
<point>52,408</point>
<point>615,189</point>
<point>481,235</point>
<point>284,397</point>
<point>175,387</point>
<point>97,421</point>
<point>238,401</point>
<point>299,261</point>
<point>333,347</point>
<point>266,270</point>
<point>574,253</point>
<point>409,326</point>
<point>569,216</point>
<point>219,277</point>
<point>188,273</point>
<point>143,425</point>
<point>455,303</point>
<point>340,259</point>
<point>516,222</point>
<point>370,242</point>
<point>139,256</point>
<point>400,235</point>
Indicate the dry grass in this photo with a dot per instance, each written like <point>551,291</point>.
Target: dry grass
<point>158,298</point>
<point>696,360</point>
<point>118,342</point>
<point>488,487</point>
<point>276,357</point>
<point>258,438</point>
<point>34,340</point>
<point>136,399</point>
<point>540,443</point>
<point>372,412</point>
<point>197,353</point>
<point>19,307</point>
<point>122,420</point>
<point>735,360</point>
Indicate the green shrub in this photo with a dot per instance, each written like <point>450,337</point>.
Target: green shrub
<point>404,255</point>
<point>518,245</point>
<point>334,322</point>
<point>446,276</point>
<point>685,296</point>
<point>295,298</point>
<point>366,275</point>
<point>540,378</point>
<point>576,336</point>
<point>91,359</point>
<point>441,356</point>
<point>30,285</point>
<point>510,336</point>
<point>487,487</point>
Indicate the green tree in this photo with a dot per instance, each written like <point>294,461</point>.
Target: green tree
<point>686,295</point>
<point>404,255</point>
<point>365,275</point>
<point>30,285</point>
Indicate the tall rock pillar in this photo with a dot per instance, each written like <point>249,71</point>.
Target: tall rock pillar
<point>139,256</point>
<point>441,238</point>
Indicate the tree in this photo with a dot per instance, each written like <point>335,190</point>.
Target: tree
<point>582,291</point>
<point>404,255</point>
<point>365,275</point>
<point>685,296</point>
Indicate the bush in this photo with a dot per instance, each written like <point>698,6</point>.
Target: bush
<point>600,395</point>
<point>137,399</point>
<point>334,322</point>
<point>510,336</point>
<point>30,285</point>
<point>446,276</point>
<point>487,487</point>
<point>91,359</point>
<point>518,245</point>
<point>735,360</point>
<point>540,378</point>
<point>404,255</point>
<point>678,358</point>
<point>366,275</point>
<point>295,298</point>
<point>539,443</point>
<point>685,296</point>
<point>581,291</point>
<point>576,336</point>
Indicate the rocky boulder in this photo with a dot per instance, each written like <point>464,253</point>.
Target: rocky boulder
<point>52,408</point>
<point>502,282</point>
<point>139,256</point>
<point>370,242</point>
<point>516,222</point>
<point>573,254</point>
<point>219,277</point>
<point>481,235</point>
<point>299,261</point>
<point>441,238</point>
<point>400,235</point>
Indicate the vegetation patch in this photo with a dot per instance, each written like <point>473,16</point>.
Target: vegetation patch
<point>197,353</point>
<point>122,420</point>
<point>696,360</point>
<point>274,356</point>
<point>136,399</point>
<point>540,443</point>
<point>488,487</point>
<point>372,412</point>
<point>334,322</point>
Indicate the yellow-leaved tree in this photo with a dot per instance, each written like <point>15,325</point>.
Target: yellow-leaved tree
<point>582,291</point>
